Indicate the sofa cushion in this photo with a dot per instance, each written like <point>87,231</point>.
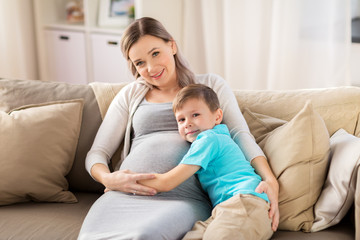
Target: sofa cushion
<point>340,182</point>
<point>342,231</point>
<point>16,93</point>
<point>37,149</point>
<point>298,155</point>
<point>33,220</point>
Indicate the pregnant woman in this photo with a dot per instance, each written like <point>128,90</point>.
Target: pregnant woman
<point>140,118</point>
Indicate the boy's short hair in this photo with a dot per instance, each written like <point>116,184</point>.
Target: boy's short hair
<point>197,91</point>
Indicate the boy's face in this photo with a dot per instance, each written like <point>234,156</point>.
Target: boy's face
<point>195,117</point>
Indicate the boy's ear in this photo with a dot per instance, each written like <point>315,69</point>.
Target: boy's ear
<point>219,116</point>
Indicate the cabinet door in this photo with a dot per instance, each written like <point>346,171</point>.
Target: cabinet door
<point>66,56</point>
<point>109,65</point>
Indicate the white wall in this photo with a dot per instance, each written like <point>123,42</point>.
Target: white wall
<point>355,8</point>
<point>17,40</point>
<point>168,12</point>
<point>355,61</point>
<point>196,21</point>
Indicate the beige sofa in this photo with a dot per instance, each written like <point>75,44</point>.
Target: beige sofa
<point>304,141</point>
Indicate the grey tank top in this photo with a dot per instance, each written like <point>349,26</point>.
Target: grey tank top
<point>157,147</point>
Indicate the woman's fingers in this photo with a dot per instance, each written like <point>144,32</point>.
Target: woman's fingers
<point>275,219</point>
<point>143,176</point>
<point>127,181</point>
<point>272,192</point>
<point>141,189</point>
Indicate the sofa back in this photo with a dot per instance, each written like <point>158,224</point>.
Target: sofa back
<point>339,106</point>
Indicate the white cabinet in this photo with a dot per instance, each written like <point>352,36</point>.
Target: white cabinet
<point>66,56</point>
<point>108,63</point>
<point>77,52</point>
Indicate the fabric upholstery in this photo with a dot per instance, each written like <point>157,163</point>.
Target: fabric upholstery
<point>357,204</point>
<point>105,93</point>
<point>61,221</point>
<point>340,182</point>
<point>339,107</point>
<point>298,155</point>
<point>37,149</point>
<point>342,231</point>
<point>16,93</point>
<point>261,125</point>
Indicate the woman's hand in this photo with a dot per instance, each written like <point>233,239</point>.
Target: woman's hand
<point>126,181</point>
<point>271,188</point>
<point>122,180</point>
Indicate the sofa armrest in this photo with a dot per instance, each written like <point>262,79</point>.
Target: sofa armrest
<point>357,205</point>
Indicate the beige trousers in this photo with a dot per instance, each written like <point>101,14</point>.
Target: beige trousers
<point>243,216</point>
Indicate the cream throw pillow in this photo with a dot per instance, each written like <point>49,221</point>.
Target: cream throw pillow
<point>338,193</point>
<point>357,204</point>
<point>260,125</point>
<point>298,155</point>
<point>37,148</point>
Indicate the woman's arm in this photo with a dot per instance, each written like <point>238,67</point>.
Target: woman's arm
<point>167,181</point>
<point>109,135</point>
<point>270,186</point>
<point>107,141</point>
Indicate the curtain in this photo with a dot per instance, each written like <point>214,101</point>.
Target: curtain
<point>17,40</point>
<point>269,44</point>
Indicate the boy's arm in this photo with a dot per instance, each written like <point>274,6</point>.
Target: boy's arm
<point>171,179</point>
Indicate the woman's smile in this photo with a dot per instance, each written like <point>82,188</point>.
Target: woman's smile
<point>158,75</point>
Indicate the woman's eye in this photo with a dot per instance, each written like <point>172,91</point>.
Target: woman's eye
<point>155,54</point>
<point>139,63</point>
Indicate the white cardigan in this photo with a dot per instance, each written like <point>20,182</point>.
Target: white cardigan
<point>116,126</point>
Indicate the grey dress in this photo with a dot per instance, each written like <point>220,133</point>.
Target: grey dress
<point>156,148</point>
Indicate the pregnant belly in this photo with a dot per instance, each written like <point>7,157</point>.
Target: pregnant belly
<point>156,152</point>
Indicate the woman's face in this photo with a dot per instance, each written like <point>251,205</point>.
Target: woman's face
<point>154,60</point>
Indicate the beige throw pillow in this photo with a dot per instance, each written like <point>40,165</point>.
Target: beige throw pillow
<point>298,155</point>
<point>17,93</point>
<point>37,148</point>
<point>338,193</point>
<point>260,125</point>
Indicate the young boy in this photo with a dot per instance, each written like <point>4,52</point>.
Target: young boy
<point>223,171</point>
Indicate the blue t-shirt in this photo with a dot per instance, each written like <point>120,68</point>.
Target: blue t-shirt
<point>224,170</point>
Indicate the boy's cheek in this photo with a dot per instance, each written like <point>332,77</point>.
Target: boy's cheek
<point>182,134</point>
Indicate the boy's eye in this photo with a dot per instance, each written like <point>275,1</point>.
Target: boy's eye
<point>155,54</point>
<point>196,114</point>
<point>181,120</point>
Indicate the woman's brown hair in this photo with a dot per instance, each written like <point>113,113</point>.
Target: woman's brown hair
<point>150,26</point>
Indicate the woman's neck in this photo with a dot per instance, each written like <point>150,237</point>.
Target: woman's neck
<point>162,95</point>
